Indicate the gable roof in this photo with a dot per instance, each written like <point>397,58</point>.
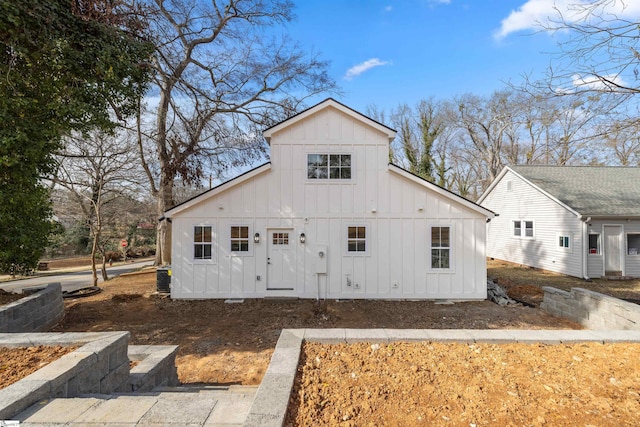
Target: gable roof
<point>442,191</point>
<point>216,190</point>
<point>329,102</point>
<point>596,191</point>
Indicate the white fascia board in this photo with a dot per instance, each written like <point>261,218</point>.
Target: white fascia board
<point>217,190</point>
<point>494,183</point>
<point>444,193</point>
<point>391,134</point>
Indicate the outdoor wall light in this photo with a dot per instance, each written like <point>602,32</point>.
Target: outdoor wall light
<point>303,238</point>
<point>256,238</point>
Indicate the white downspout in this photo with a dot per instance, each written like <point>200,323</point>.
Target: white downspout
<point>585,246</point>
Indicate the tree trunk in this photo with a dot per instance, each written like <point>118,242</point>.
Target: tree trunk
<point>105,277</point>
<point>94,248</point>
<point>165,201</point>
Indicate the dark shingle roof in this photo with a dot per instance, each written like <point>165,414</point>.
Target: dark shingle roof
<point>589,190</point>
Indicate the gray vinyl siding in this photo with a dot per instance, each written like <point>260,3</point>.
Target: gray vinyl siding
<point>631,263</point>
<point>526,202</point>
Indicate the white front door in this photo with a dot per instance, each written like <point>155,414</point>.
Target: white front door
<point>612,249</point>
<point>281,259</point>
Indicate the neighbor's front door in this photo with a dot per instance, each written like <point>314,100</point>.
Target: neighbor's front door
<point>612,250</point>
<point>281,259</point>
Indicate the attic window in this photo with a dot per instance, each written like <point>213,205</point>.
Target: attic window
<point>329,166</point>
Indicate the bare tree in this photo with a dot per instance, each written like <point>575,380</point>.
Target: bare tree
<point>220,69</point>
<point>599,49</point>
<point>97,169</point>
<point>623,141</point>
<point>488,126</point>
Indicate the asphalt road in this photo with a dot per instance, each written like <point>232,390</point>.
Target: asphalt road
<point>72,280</point>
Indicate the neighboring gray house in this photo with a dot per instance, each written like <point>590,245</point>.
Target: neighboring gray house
<point>583,221</point>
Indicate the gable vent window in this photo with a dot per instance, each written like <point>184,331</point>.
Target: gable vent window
<point>202,238</point>
<point>329,166</point>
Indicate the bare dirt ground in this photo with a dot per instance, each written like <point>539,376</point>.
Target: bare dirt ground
<point>9,297</point>
<point>525,283</point>
<point>435,384</point>
<point>233,343</point>
<point>17,363</point>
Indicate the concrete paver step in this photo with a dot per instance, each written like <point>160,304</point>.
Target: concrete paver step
<point>169,406</point>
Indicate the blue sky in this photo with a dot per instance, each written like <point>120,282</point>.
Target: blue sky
<point>387,52</point>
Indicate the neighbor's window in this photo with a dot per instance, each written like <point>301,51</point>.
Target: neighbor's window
<point>594,244</point>
<point>202,238</point>
<point>329,166</point>
<point>523,228</point>
<point>564,241</point>
<point>357,239</point>
<point>239,238</point>
<point>440,247</point>
<point>633,244</point>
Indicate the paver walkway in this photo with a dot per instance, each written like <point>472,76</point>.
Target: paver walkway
<point>176,406</point>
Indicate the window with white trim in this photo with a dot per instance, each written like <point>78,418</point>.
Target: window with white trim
<point>633,243</point>
<point>440,247</point>
<point>564,242</point>
<point>357,239</point>
<point>523,229</point>
<point>594,244</point>
<point>202,242</point>
<point>329,166</point>
<point>239,238</point>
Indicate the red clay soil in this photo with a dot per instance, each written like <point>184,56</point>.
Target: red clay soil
<point>9,297</point>
<point>233,343</point>
<point>17,363</point>
<point>442,384</point>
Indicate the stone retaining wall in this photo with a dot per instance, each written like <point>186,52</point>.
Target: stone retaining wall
<point>38,312</point>
<point>100,365</point>
<point>591,309</point>
<point>156,367</point>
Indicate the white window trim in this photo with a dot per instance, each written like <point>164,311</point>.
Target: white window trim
<point>308,180</point>
<point>563,248</point>
<point>626,253</point>
<point>599,248</point>
<point>250,238</point>
<point>523,229</point>
<point>367,239</point>
<point>452,263</point>
<point>214,251</point>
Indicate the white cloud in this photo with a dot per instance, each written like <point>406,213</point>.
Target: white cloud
<point>594,83</point>
<point>439,1</point>
<point>534,13</point>
<point>356,70</point>
<point>388,8</point>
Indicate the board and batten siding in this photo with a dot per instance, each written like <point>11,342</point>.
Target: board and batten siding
<point>397,212</point>
<point>519,200</point>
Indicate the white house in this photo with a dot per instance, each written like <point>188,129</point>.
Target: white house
<point>328,217</point>
<point>583,221</point>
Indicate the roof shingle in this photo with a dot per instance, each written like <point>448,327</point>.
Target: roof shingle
<point>589,190</point>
